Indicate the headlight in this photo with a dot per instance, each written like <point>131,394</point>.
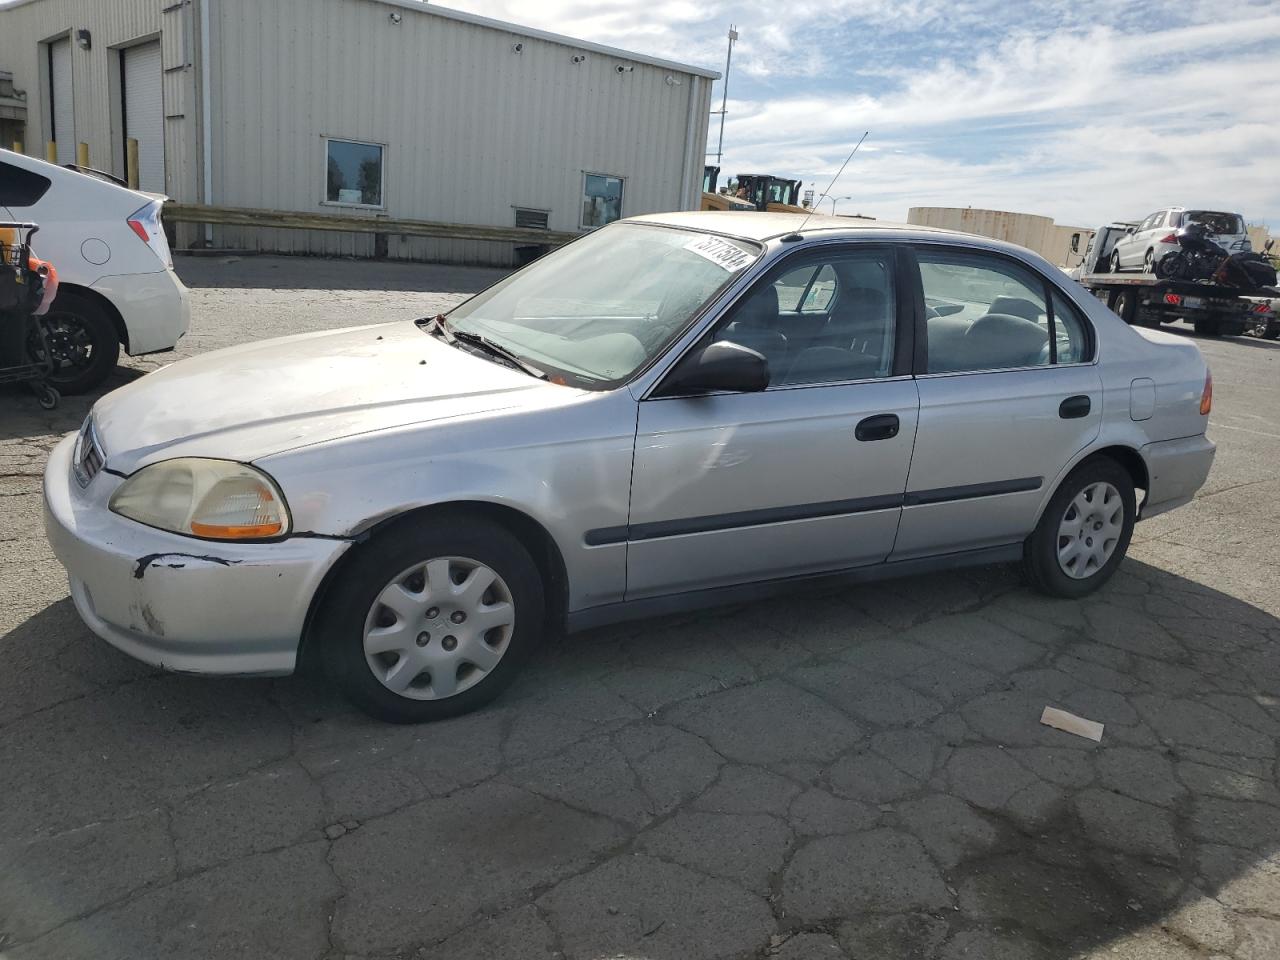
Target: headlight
<point>214,499</point>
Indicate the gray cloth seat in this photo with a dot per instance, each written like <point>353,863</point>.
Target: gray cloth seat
<point>858,321</point>
<point>830,364</point>
<point>1002,340</point>
<point>1017,307</point>
<point>993,341</point>
<point>755,326</point>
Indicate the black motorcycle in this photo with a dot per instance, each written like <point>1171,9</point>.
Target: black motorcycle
<point>1200,257</point>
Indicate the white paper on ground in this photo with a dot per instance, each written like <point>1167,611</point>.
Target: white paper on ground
<point>1061,720</point>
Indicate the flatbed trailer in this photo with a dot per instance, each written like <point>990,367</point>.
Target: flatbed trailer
<point>1143,299</point>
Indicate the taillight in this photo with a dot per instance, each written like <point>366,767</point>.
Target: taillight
<point>1206,398</point>
<point>1171,238</point>
<point>145,223</point>
<point>1173,299</point>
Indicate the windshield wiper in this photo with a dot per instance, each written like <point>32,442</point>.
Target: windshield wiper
<point>488,346</point>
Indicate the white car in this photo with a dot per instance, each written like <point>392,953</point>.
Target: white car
<point>117,287</point>
<point>1142,246</point>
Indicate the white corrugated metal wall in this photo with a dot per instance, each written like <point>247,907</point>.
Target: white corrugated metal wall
<point>472,129</point>
<point>62,120</point>
<point>27,29</point>
<point>144,111</point>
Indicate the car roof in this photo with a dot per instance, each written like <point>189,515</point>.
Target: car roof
<point>768,226</point>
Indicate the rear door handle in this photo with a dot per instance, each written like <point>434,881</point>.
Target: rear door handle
<point>883,426</point>
<point>1073,408</point>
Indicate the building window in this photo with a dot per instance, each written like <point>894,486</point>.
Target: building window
<point>353,174</point>
<point>601,200</point>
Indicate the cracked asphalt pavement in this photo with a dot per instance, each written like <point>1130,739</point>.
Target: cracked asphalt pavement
<point>840,773</point>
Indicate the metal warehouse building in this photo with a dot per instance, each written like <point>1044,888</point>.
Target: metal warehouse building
<point>362,109</point>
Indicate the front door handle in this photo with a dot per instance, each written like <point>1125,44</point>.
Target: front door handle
<point>883,426</point>
<point>1073,408</point>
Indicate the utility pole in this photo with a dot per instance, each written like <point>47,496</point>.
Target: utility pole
<point>724,100</point>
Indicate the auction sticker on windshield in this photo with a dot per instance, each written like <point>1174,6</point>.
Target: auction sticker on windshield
<point>721,252</point>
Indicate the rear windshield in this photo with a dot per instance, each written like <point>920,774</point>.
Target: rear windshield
<point>1218,223</point>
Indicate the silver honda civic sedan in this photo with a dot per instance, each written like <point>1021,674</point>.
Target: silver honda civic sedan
<point>672,411</point>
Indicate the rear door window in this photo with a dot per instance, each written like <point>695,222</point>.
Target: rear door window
<point>984,312</point>
<point>21,188</point>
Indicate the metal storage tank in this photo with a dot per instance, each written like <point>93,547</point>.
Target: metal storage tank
<point>364,109</point>
<point>1025,229</point>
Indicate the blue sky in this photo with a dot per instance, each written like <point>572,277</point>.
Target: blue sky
<point>1082,111</point>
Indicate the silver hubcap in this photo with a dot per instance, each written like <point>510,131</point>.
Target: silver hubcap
<point>439,628</point>
<point>1090,530</point>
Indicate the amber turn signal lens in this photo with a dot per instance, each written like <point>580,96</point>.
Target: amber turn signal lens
<point>254,532</point>
<point>1206,398</point>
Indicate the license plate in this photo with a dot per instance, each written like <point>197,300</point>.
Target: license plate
<point>1193,301</point>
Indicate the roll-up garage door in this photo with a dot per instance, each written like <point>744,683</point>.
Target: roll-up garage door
<point>144,112</point>
<point>61,101</point>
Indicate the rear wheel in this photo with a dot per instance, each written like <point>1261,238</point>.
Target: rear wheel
<point>433,619</point>
<point>1206,326</point>
<point>1149,262</point>
<point>1271,332</point>
<point>1084,532</point>
<point>82,342</point>
<point>1125,305</point>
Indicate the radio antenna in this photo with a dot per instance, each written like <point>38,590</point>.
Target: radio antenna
<point>818,202</point>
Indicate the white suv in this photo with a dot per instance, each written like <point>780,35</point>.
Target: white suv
<point>1142,246</point>
<point>116,281</point>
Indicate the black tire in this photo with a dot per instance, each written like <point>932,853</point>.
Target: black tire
<point>1149,262</point>
<point>1125,305</point>
<point>1271,332</point>
<point>1040,551</point>
<point>340,623</point>
<point>1206,326</point>
<point>1115,261</point>
<point>83,341</point>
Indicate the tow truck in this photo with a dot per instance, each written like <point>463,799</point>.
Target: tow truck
<point>1145,300</point>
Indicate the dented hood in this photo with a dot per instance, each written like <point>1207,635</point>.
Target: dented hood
<point>258,399</point>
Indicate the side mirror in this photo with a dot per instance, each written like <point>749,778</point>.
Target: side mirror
<point>722,365</point>
<point>1075,243</point>
<point>1128,231</point>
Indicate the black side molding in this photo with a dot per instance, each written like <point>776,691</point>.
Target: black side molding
<point>970,491</point>
<point>602,536</point>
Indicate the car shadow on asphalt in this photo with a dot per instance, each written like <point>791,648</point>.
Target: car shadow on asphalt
<point>863,765</point>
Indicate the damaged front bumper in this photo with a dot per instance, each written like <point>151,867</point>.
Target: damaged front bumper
<point>176,602</point>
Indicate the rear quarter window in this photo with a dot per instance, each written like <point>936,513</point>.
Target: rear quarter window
<point>19,187</point>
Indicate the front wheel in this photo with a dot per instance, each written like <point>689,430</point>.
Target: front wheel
<point>1084,532</point>
<point>1115,261</point>
<point>433,618</point>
